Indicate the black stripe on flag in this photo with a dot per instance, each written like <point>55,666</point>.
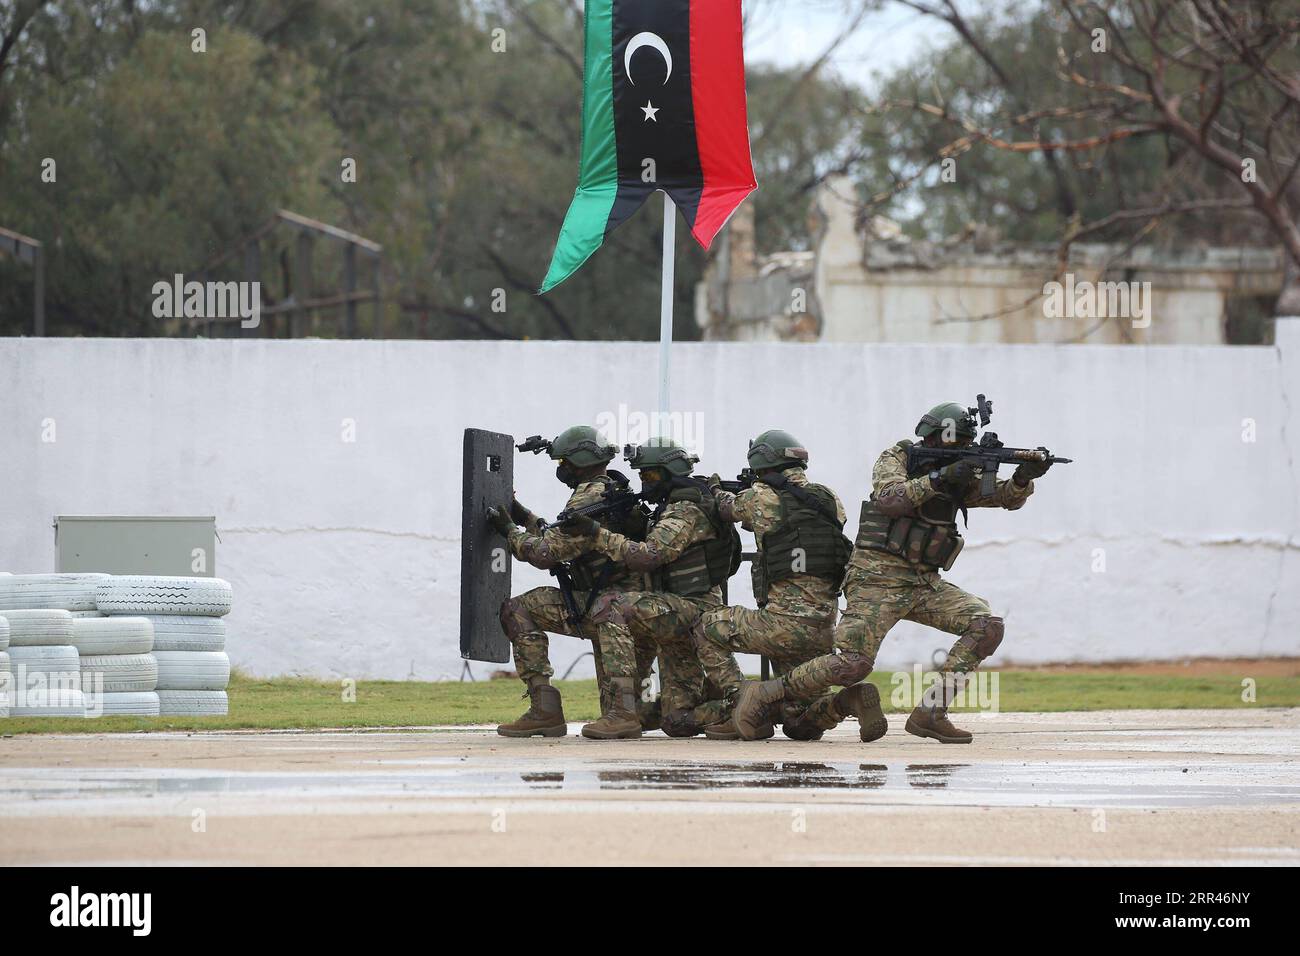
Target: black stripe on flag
<point>669,137</point>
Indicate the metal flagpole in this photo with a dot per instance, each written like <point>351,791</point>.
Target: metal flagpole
<point>666,302</point>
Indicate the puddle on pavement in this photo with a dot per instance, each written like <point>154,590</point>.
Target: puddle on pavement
<point>771,776</point>
<point>1078,784</point>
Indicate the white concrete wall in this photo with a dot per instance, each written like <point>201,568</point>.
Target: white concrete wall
<point>344,556</point>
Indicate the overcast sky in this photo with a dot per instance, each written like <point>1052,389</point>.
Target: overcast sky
<point>789,32</point>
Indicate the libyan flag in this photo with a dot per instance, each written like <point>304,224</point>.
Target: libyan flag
<point>663,107</point>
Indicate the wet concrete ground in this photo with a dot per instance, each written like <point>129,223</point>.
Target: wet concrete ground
<point>1103,787</point>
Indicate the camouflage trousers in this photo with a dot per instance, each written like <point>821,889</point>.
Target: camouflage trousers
<point>628,620</point>
<point>786,640</point>
<point>880,592</point>
<point>526,619</point>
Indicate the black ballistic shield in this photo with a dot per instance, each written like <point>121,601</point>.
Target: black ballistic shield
<point>484,561</point>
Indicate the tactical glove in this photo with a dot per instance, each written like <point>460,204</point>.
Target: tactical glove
<point>500,521</point>
<point>714,482</point>
<point>1029,471</point>
<point>581,526</point>
<point>959,474</point>
<point>518,513</point>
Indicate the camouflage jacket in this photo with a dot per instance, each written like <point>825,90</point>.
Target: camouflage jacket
<point>680,525</point>
<point>546,549</point>
<point>758,509</point>
<point>889,481</point>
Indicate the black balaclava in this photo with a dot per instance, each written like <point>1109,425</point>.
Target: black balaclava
<point>567,474</point>
<point>659,488</point>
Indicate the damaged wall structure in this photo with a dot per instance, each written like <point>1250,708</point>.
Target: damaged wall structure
<point>867,282</point>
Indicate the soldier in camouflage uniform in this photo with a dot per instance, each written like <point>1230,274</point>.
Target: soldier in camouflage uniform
<point>688,553</point>
<point>797,572</point>
<point>526,618</point>
<point>907,534</point>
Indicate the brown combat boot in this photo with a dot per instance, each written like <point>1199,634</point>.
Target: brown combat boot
<point>620,721</point>
<point>723,731</point>
<point>727,731</point>
<point>545,716</point>
<point>863,702</point>
<point>750,714</point>
<point>933,722</point>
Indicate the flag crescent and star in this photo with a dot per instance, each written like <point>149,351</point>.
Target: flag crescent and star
<point>663,81</point>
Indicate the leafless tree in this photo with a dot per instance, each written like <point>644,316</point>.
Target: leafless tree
<point>1216,81</point>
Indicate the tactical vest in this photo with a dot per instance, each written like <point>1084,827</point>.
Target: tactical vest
<point>928,537</point>
<point>705,564</point>
<point>593,571</point>
<point>809,540</point>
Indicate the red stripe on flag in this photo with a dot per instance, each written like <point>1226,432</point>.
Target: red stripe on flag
<point>721,123</point>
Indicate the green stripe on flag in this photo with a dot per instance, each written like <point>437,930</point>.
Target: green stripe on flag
<point>584,226</point>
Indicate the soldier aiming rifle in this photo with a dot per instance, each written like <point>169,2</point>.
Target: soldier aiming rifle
<point>907,534</point>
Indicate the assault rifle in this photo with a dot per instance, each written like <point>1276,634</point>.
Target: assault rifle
<point>565,581</point>
<point>744,481</point>
<point>987,454</point>
<point>619,499</point>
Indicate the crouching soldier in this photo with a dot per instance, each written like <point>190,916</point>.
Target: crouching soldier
<point>908,533</point>
<point>797,573</point>
<point>688,553</point>
<point>526,618</point>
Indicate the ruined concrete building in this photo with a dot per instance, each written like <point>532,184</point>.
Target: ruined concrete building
<point>867,282</point>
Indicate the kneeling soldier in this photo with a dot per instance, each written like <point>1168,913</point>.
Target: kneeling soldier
<point>689,552</point>
<point>527,617</point>
<point>797,573</point>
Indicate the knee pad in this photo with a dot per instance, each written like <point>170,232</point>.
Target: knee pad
<point>680,723</point>
<point>850,667</point>
<point>511,614</point>
<point>609,608</point>
<point>801,730</point>
<point>796,725</point>
<point>983,636</point>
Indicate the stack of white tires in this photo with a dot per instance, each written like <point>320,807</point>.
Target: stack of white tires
<point>59,592</point>
<point>189,636</point>
<point>45,670</point>
<point>39,609</point>
<point>119,674</point>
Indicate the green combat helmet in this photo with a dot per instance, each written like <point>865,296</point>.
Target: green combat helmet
<point>661,453</point>
<point>581,447</point>
<point>934,421</point>
<point>776,449</point>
